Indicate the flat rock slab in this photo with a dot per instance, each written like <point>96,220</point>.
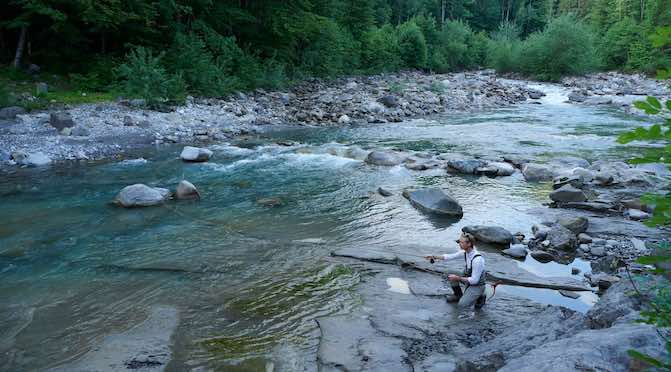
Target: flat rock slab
<point>143,348</point>
<point>499,268</point>
<point>350,343</point>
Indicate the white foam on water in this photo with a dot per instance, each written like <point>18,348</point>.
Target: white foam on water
<point>232,150</point>
<point>398,285</point>
<point>554,94</point>
<point>311,241</point>
<point>138,161</point>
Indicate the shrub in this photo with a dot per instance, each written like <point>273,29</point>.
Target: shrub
<point>380,50</point>
<point>617,43</point>
<point>503,50</point>
<point>191,58</point>
<point>566,46</point>
<point>143,76</point>
<point>412,45</point>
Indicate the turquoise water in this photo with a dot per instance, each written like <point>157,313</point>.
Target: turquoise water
<point>248,279</point>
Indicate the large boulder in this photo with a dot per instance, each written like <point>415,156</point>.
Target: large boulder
<point>383,158</point>
<point>140,195</point>
<point>561,238</point>
<point>537,172</point>
<point>61,120</point>
<point>567,194</point>
<point>195,154</point>
<point>435,201</point>
<point>502,168</point>
<point>573,180</point>
<point>489,234</point>
<point>9,113</point>
<point>591,350</point>
<point>576,224</point>
<point>186,190</point>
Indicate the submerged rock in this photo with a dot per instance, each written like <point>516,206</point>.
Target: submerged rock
<point>542,256</point>
<point>195,154</point>
<point>435,201</point>
<point>489,234</point>
<point>140,195</point>
<point>464,166</point>
<point>516,251</point>
<point>384,192</point>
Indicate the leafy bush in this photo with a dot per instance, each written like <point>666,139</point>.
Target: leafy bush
<point>143,76</point>
<point>616,44</point>
<point>503,50</point>
<point>191,58</point>
<point>412,45</point>
<point>566,46</point>
<point>329,50</point>
<point>5,97</point>
<point>380,50</point>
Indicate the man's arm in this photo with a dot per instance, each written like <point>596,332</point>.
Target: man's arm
<point>449,256</point>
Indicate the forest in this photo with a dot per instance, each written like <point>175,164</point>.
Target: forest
<point>170,48</point>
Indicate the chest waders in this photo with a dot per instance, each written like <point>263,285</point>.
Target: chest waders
<point>456,288</point>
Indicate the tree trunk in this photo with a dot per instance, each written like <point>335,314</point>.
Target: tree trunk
<point>19,47</point>
<point>442,12</point>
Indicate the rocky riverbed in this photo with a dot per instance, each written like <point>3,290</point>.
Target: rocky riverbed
<point>95,131</point>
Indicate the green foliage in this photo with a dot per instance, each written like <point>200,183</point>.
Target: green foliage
<point>143,76</point>
<point>565,47</point>
<point>5,97</point>
<point>412,45</point>
<point>503,51</point>
<point>380,50</point>
<point>329,50</point>
<point>616,45</point>
<point>657,311</point>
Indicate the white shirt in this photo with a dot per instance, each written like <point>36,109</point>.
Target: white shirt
<point>478,264</point>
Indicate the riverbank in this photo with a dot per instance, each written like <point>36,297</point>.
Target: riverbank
<point>108,130</point>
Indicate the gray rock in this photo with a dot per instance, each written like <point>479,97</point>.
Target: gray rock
<point>605,177</point>
<point>575,181</point>
<point>489,234</point>
<point>137,102</point>
<point>586,174</point>
<point>516,251</point>
<point>128,121</point>
<point>502,169</point>
<point>540,231</point>
<point>542,256</point>
<point>635,203</point>
<point>576,224</point>
<point>584,238</point>
<point>615,306</point>
<point>271,202</point>
<point>569,294</point>
<point>65,132</point>
<point>601,207</point>
<point>9,113</point>
<point>568,193</point>
<point>537,172</point>
<point>41,88</point>
<point>5,156</point>
<point>383,158</point>
<point>597,251</point>
<point>389,101</point>
<point>344,119</point>
<point>576,97</point>
<point>561,238</point>
<point>599,101</point>
<point>60,120</point>
<point>435,201</point>
<point>575,271</point>
<point>464,166</point>
<point>384,192</point>
<point>186,190</point>
<point>636,215</point>
<point>80,131</point>
<point>536,94</point>
<point>590,350</point>
<point>584,248</point>
<point>195,154</point>
<point>140,195</point>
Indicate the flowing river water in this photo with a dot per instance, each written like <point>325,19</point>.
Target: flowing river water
<point>248,280</point>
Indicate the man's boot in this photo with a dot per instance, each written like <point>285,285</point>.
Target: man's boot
<point>457,293</point>
<point>480,302</point>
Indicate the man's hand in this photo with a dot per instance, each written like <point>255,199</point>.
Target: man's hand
<point>454,278</point>
<point>433,257</point>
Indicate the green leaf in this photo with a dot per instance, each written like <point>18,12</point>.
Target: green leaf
<point>654,102</point>
<point>642,105</point>
<point>668,107</point>
<point>646,358</point>
<point>651,260</point>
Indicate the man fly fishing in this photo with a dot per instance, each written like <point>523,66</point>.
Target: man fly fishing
<point>473,278</point>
